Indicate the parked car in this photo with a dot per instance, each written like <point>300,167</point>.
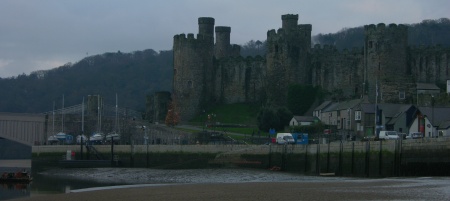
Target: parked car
<point>414,135</point>
<point>402,135</point>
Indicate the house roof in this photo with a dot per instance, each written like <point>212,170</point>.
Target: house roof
<point>305,118</point>
<point>323,105</point>
<point>392,110</point>
<point>426,86</point>
<point>395,116</point>
<point>437,115</point>
<point>348,104</point>
<point>331,107</point>
<point>389,109</point>
<point>367,108</point>
<point>444,125</point>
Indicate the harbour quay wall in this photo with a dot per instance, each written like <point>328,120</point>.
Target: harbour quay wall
<point>421,157</point>
<point>437,144</point>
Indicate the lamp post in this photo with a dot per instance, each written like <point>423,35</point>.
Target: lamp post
<point>432,115</point>
<point>146,141</point>
<point>204,123</point>
<point>349,110</point>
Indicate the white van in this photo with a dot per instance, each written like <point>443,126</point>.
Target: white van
<point>285,138</point>
<point>388,135</point>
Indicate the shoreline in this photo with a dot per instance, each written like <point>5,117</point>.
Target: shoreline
<point>241,184</point>
<point>384,189</point>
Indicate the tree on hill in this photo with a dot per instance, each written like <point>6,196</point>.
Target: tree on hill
<point>254,48</point>
<point>430,33</point>
<point>131,75</point>
<point>427,33</point>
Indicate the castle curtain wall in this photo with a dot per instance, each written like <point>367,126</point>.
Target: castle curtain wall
<point>334,70</point>
<point>239,80</point>
<point>430,64</point>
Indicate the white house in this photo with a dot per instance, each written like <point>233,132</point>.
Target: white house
<point>431,121</point>
<point>302,120</point>
<point>444,129</point>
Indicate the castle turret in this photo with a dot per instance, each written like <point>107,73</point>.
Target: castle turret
<point>223,47</point>
<point>385,53</point>
<point>289,21</point>
<point>206,27</point>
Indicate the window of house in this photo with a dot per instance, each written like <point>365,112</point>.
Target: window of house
<point>357,115</point>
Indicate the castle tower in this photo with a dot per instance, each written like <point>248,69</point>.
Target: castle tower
<point>193,69</point>
<point>287,58</point>
<point>223,47</point>
<point>206,26</point>
<point>385,55</point>
<point>289,22</point>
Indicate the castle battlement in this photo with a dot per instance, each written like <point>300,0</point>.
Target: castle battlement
<point>223,29</point>
<point>274,34</point>
<point>289,17</point>
<point>382,28</point>
<point>182,38</point>
<point>305,27</point>
<point>236,48</point>
<point>206,20</point>
<point>281,32</point>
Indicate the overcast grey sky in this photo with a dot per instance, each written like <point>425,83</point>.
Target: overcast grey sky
<point>44,34</point>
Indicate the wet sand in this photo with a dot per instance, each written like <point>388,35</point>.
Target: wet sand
<point>241,184</point>
<point>253,191</point>
<point>348,190</point>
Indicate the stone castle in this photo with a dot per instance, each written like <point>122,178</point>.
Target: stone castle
<point>209,70</point>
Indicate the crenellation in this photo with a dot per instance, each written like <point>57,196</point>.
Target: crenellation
<point>190,36</point>
<point>271,33</point>
<point>370,27</point>
<point>206,20</point>
<point>223,29</point>
<point>392,26</point>
<point>305,27</point>
<point>235,50</point>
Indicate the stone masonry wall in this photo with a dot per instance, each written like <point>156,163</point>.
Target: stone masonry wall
<point>239,80</point>
<point>333,70</point>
